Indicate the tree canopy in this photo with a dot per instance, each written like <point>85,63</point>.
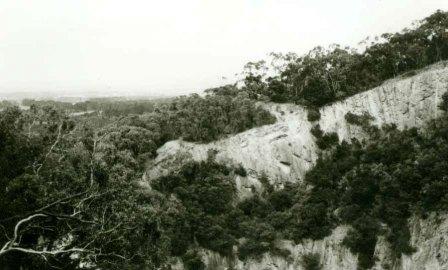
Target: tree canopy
<point>325,75</point>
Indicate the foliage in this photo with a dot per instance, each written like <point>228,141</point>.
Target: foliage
<point>313,114</point>
<point>48,154</point>
<point>70,184</point>
<point>69,189</point>
<point>205,119</point>
<point>324,140</point>
<point>6,104</point>
<point>224,110</point>
<point>240,170</point>
<point>311,261</point>
<point>374,187</point>
<point>323,76</point>
<point>358,120</point>
<point>444,104</point>
<point>384,181</point>
<point>107,106</point>
<point>192,261</point>
<point>264,180</point>
<point>204,192</point>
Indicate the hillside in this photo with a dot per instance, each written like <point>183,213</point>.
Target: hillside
<point>334,159</point>
<point>286,150</point>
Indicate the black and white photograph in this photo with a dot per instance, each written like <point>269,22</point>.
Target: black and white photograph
<point>224,135</point>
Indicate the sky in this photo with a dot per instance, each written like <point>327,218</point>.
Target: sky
<point>170,47</point>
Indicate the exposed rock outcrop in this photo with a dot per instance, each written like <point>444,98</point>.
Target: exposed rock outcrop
<point>429,237</point>
<point>286,150</point>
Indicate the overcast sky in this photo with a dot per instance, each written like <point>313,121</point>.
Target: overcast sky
<point>146,47</point>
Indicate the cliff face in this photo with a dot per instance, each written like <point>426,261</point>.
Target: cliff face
<point>429,236</point>
<point>286,150</point>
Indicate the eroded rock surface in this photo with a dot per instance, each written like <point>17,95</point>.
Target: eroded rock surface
<point>286,150</point>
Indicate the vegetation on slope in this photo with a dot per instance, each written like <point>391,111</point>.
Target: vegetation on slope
<point>374,186</point>
<point>210,118</point>
<point>323,75</point>
<point>221,112</point>
<point>70,185</point>
<point>70,190</point>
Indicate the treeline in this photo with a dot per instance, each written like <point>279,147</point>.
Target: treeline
<point>6,104</point>
<point>222,111</point>
<point>323,75</point>
<point>204,119</point>
<point>108,106</point>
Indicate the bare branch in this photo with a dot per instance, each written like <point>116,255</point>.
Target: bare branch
<point>12,244</point>
<point>58,138</point>
<point>97,139</point>
<point>45,252</point>
<point>9,244</point>
<point>60,201</point>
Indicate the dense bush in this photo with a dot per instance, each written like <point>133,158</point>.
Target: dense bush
<point>60,177</point>
<point>240,170</point>
<point>107,106</point>
<point>383,181</point>
<point>205,192</point>
<point>324,140</point>
<point>192,261</point>
<point>444,104</point>
<point>358,120</point>
<point>325,75</point>
<point>311,261</point>
<point>223,111</point>
<point>374,187</point>
<point>313,114</point>
<point>6,104</point>
<point>204,119</point>
<point>47,153</point>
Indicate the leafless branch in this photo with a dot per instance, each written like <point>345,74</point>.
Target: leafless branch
<point>10,244</point>
<point>58,138</point>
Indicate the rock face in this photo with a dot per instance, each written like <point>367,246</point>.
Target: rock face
<point>286,150</point>
<point>429,236</point>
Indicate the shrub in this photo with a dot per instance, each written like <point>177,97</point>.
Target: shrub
<point>264,180</point>
<point>240,170</point>
<point>359,120</point>
<point>317,131</point>
<point>192,261</point>
<point>252,249</point>
<point>260,239</point>
<point>327,140</point>
<point>444,104</point>
<point>311,261</point>
<point>364,121</point>
<point>362,240</point>
<point>205,191</point>
<point>281,252</point>
<point>313,114</point>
